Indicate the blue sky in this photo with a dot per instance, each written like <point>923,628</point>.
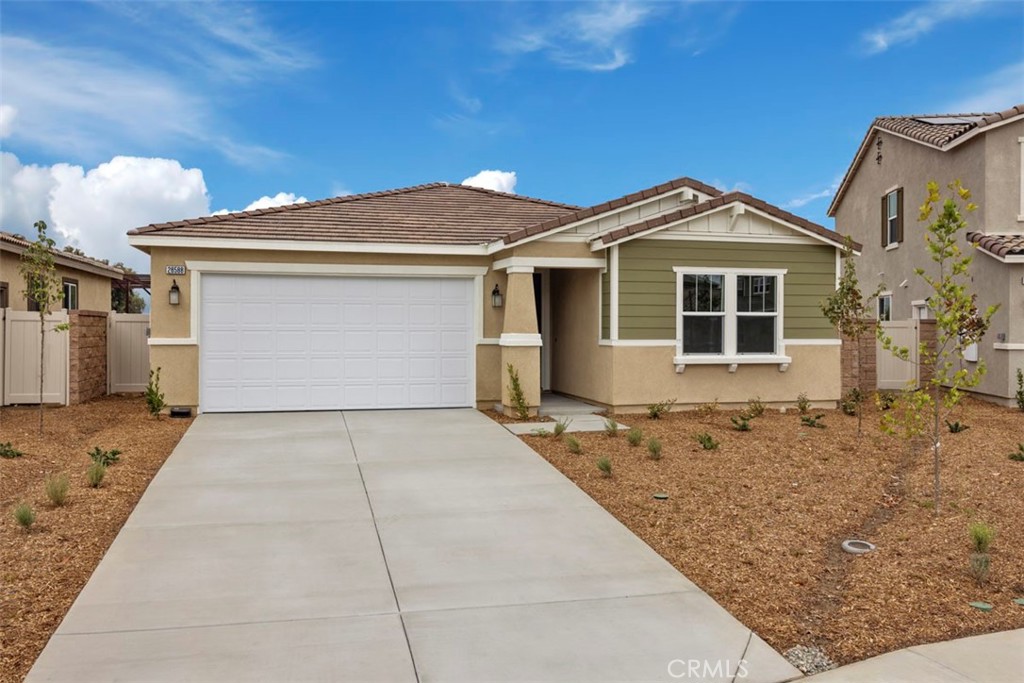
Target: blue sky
<point>114,115</point>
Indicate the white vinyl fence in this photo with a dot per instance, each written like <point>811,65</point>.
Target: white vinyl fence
<point>19,349</point>
<point>894,373</point>
<point>127,352</point>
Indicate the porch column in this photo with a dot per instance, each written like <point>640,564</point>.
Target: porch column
<point>520,342</point>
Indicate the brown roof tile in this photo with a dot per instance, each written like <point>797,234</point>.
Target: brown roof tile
<point>437,213</point>
<point>1000,245</point>
<point>567,218</point>
<point>716,202</point>
<point>85,260</point>
<point>936,130</point>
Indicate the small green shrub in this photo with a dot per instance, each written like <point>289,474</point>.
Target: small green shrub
<point>981,536</point>
<point>885,400</point>
<point>980,564</point>
<point>850,403</point>
<point>94,475</point>
<point>634,436</point>
<point>605,465</point>
<point>24,515</point>
<point>706,441</point>
<point>1019,455</point>
<point>803,404</point>
<point>561,426</point>
<point>57,488</point>
<point>1020,388</point>
<point>515,390</point>
<point>956,427</point>
<point>654,448</point>
<point>9,451</point>
<point>656,410</point>
<point>611,427</point>
<point>105,458</point>
<point>154,397</point>
<point>755,407</point>
<point>815,421</point>
<point>707,410</point>
<point>741,423</point>
<point>573,444</point>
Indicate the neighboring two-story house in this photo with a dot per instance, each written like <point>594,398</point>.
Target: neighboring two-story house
<point>878,204</point>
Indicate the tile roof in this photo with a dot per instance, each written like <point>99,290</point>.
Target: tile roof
<point>999,245</point>
<point>640,195</point>
<point>935,130</point>
<point>23,243</point>
<point>717,202</point>
<point>436,213</point>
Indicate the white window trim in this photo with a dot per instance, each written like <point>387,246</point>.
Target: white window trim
<point>70,285</point>
<point>1020,172</point>
<point>878,306</point>
<point>890,243</point>
<point>729,356</point>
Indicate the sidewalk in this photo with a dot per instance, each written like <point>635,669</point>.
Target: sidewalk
<point>991,658</point>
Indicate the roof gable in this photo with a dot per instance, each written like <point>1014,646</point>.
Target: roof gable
<point>741,199</point>
<point>939,131</point>
<point>67,259</point>
<point>436,213</point>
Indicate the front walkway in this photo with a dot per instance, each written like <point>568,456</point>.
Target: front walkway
<point>991,658</point>
<point>384,546</point>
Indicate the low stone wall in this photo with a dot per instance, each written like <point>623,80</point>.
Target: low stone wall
<point>860,353</point>
<point>87,378</point>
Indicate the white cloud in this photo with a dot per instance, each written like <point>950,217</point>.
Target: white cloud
<point>266,202</point>
<point>7,116</point>
<point>813,196</point>
<point>592,38</point>
<point>738,186</point>
<point>920,21</point>
<point>501,181</point>
<point>93,209</point>
<point>997,91</point>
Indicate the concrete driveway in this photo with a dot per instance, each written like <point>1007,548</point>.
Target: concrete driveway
<point>385,546</point>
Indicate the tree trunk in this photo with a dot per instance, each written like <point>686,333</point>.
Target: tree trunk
<point>856,380</point>
<point>936,447</point>
<point>42,357</point>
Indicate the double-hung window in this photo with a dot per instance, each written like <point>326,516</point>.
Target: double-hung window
<point>892,218</point>
<point>70,288</point>
<point>729,315</point>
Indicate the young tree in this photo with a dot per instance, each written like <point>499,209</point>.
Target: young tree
<point>958,322</point>
<point>847,310</point>
<point>43,287</point>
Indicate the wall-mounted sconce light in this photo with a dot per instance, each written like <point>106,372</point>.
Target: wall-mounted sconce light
<point>175,294</point>
<point>496,298</point>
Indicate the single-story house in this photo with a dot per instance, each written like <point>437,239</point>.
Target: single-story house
<point>86,281</point>
<point>424,296</point>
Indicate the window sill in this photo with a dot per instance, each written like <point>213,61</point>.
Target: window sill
<point>892,246</point>
<point>732,361</point>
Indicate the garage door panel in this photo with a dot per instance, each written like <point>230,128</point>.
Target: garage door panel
<point>318,343</point>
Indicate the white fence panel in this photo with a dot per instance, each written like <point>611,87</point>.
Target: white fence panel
<point>21,358</point>
<point>127,352</point>
<point>894,373</point>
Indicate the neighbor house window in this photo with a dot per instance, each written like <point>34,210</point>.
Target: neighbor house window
<point>3,295</point>
<point>70,294</point>
<point>885,308</point>
<point>730,313</point>
<point>892,218</point>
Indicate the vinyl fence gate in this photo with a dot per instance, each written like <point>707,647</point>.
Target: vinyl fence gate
<point>19,358</point>
<point>893,373</point>
<point>127,352</point>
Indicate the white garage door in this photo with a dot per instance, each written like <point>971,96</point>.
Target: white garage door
<point>275,342</point>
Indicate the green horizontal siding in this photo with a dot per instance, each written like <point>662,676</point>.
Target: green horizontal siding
<point>647,283</point>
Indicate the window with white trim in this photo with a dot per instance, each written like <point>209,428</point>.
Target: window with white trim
<point>731,314</point>
<point>885,308</point>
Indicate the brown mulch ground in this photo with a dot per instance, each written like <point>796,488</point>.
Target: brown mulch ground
<point>43,570</point>
<point>504,419</point>
<point>758,522</point>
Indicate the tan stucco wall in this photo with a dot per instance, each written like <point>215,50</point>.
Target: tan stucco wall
<point>643,375</point>
<point>179,373</point>
<point>988,165</point>
<point>93,289</point>
<point>579,366</point>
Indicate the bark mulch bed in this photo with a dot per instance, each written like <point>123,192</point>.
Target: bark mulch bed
<point>758,522</point>
<point>43,570</point>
